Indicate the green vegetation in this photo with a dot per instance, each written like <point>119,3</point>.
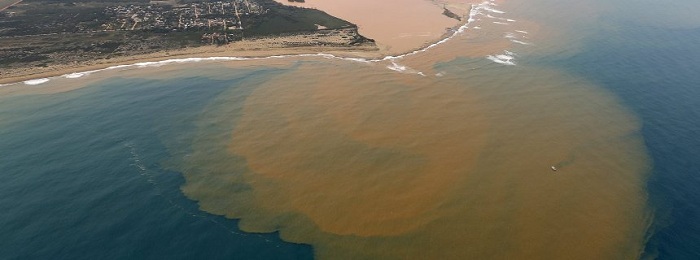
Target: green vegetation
<point>285,19</point>
<point>45,32</point>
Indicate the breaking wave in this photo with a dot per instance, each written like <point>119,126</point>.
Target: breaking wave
<point>36,81</point>
<point>476,10</point>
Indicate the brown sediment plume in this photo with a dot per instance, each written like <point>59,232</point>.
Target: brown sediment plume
<point>366,154</point>
<point>258,47</point>
<point>363,162</point>
<point>397,26</point>
<point>360,163</point>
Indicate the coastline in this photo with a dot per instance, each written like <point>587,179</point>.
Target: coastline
<point>247,49</point>
<point>233,51</point>
<point>393,32</point>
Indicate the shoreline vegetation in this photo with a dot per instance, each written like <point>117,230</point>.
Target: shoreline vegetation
<point>44,38</point>
<point>397,27</point>
<point>254,48</point>
<point>339,38</point>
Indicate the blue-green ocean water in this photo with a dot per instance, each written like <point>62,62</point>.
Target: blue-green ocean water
<point>655,72</point>
<point>82,174</point>
<point>647,54</point>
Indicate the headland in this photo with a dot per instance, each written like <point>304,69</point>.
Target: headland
<point>50,38</point>
<point>101,35</point>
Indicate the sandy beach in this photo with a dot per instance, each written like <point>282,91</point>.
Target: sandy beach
<point>443,153</point>
<point>393,33</point>
<point>261,47</point>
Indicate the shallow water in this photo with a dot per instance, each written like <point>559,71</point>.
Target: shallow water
<point>82,177</point>
<point>339,163</point>
<point>441,154</point>
<point>341,160</point>
<point>398,26</point>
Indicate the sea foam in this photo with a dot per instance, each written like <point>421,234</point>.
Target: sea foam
<point>520,42</point>
<point>505,59</point>
<point>75,75</point>
<point>36,81</point>
<point>473,13</point>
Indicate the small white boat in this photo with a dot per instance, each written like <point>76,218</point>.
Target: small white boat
<point>554,168</point>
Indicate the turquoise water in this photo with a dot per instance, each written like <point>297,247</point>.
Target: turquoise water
<point>82,176</point>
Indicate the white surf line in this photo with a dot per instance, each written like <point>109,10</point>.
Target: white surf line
<point>74,75</point>
<point>493,10</point>
<point>510,35</point>
<point>475,10</point>
<point>515,38</point>
<point>34,82</point>
<point>146,64</point>
<point>403,69</point>
<point>500,18</point>
<point>523,32</point>
<point>505,59</point>
<point>502,59</point>
<point>520,42</point>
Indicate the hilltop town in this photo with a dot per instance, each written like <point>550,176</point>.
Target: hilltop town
<point>36,34</point>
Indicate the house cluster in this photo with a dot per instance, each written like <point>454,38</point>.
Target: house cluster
<point>196,16</point>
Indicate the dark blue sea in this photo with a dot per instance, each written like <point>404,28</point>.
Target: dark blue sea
<point>655,72</point>
<point>82,183</point>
